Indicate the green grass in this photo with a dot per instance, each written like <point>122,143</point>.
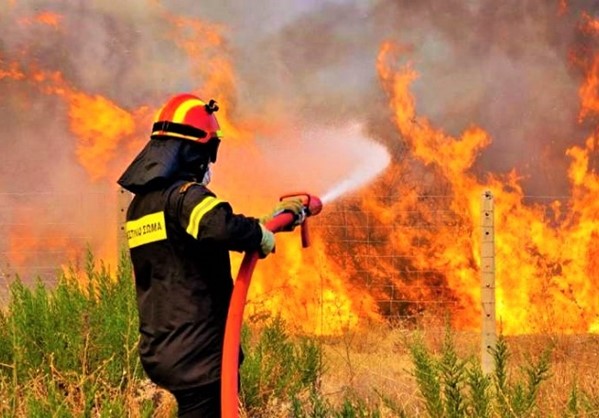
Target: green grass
<point>70,351</point>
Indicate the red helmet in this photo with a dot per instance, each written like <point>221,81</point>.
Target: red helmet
<point>186,116</point>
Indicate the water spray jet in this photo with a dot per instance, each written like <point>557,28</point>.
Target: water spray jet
<point>371,166</point>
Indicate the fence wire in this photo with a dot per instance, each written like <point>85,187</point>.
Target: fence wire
<point>44,232</point>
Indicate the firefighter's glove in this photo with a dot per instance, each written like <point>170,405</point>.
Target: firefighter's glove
<point>293,205</point>
<point>267,244</point>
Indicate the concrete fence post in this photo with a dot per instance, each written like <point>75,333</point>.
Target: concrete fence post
<point>489,330</point>
<point>123,200</point>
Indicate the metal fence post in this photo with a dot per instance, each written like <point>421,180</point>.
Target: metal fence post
<point>489,331</point>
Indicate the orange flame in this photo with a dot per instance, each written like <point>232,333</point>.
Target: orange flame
<point>303,286</point>
<point>589,100</point>
<point>99,125</point>
<point>210,66</point>
<point>45,18</point>
<point>545,268</point>
<point>13,71</point>
<point>29,244</point>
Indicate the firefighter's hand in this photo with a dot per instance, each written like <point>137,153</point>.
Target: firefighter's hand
<point>293,205</point>
<point>267,244</point>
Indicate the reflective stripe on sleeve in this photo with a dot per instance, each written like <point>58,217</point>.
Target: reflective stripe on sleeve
<point>145,230</point>
<point>207,204</point>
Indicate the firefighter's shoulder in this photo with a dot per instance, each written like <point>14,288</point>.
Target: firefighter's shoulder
<point>197,196</point>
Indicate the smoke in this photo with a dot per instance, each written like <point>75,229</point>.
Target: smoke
<point>503,66</point>
<point>500,65</point>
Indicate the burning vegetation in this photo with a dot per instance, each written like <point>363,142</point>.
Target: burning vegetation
<point>465,97</point>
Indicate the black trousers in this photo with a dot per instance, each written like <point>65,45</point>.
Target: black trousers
<point>200,402</point>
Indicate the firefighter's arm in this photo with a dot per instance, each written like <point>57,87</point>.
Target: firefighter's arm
<point>211,220</point>
<point>267,243</point>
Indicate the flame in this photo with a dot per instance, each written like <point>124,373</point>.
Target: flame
<point>99,125</point>
<point>45,18</point>
<point>10,71</point>
<point>305,287</point>
<point>210,66</point>
<point>308,289</point>
<point>589,100</point>
<point>28,244</point>
<point>589,25</point>
<point>545,265</point>
<point>419,247</point>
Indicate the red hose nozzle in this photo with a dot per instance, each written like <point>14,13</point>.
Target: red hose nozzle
<point>312,204</point>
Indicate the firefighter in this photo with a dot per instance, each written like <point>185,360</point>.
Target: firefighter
<point>180,234</point>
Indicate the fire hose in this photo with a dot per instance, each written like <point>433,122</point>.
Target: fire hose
<point>284,221</point>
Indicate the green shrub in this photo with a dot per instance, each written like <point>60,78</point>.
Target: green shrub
<point>71,351</point>
<point>518,398</point>
<point>452,387</point>
<point>428,378</point>
<point>276,368</point>
<point>479,398</point>
<point>62,348</point>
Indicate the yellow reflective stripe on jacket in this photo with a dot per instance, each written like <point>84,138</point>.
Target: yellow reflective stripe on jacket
<point>198,213</point>
<point>147,229</point>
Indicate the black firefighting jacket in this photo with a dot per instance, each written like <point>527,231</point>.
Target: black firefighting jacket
<point>179,240</point>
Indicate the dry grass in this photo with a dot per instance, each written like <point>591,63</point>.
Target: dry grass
<point>574,363</point>
<point>377,360</point>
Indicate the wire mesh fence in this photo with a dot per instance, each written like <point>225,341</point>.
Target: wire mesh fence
<point>46,232</point>
<point>384,256</point>
<point>364,244</point>
<point>43,233</point>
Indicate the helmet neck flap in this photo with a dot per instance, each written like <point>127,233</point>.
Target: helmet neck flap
<point>184,141</point>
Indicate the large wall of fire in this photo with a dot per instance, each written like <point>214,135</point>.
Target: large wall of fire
<point>464,96</point>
